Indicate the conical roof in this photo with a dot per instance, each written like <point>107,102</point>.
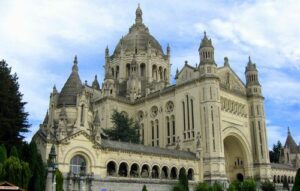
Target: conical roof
<point>138,38</point>
<point>205,42</point>
<point>290,143</point>
<point>71,88</point>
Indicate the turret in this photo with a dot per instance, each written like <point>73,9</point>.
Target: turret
<point>252,82</point>
<point>138,15</point>
<point>206,53</point>
<point>213,148</point>
<point>133,83</point>
<point>257,123</point>
<point>95,83</point>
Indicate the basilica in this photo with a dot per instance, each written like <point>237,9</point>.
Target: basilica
<point>209,122</point>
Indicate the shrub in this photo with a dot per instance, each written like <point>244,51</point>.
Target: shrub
<point>296,186</point>
<point>144,188</point>
<point>267,186</point>
<point>202,187</point>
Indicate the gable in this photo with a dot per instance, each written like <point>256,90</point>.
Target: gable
<point>186,73</point>
<point>231,81</point>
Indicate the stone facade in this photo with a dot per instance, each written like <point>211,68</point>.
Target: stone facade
<point>209,122</point>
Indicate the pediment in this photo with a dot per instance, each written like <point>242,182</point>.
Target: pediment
<point>186,73</point>
<point>230,80</point>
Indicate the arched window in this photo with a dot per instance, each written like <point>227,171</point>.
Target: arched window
<point>134,170</point>
<point>117,71</point>
<point>78,164</point>
<point>127,70</point>
<point>82,115</point>
<point>143,69</point>
<point>173,174</point>
<point>111,168</point>
<point>145,171</point>
<point>190,174</point>
<point>164,172</point>
<point>155,172</point>
<point>123,169</point>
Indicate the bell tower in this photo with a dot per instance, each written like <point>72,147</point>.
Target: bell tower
<point>213,148</point>
<point>257,123</point>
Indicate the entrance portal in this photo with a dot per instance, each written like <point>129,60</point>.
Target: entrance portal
<point>240,177</point>
<point>235,158</point>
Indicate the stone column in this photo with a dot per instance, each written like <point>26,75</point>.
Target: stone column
<point>82,183</point>
<point>50,186</point>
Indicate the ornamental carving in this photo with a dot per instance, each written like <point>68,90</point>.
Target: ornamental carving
<point>169,107</point>
<point>154,111</point>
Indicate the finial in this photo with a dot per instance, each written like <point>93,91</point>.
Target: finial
<point>204,33</point>
<point>138,15</point>
<point>168,49</point>
<point>85,82</point>
<point>177,71</point>
<point>226,61</point>
<point>289,132</point>
<point>249,61</point>
<point>185,62</point>
<point>75,67</point>
<point>96,77</point>
<point>106,51</point>
<point>54,91</point>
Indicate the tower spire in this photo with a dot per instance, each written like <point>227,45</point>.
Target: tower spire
<point>138,15</point>
<point>75,67</point>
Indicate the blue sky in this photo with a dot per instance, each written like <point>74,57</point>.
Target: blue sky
<point>40,38</point>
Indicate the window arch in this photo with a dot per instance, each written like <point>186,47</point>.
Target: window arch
<point>111,168</point>
<point>190,174</point>
<point>123,169</point>
<point>134,170</point>
<point>173,174</point>
<point>78,164</point>
<point>142,70</point>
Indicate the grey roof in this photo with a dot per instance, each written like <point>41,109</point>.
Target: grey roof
<point>139,148</point>
<point>282,166</point>
<point>291,144</point>
<point>68,94</point>
<point>205,42</point>
<point>138,38</point>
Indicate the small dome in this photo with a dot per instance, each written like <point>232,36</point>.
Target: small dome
<point>68,94</point>
<point>138,38</point>
<point>205,42</point>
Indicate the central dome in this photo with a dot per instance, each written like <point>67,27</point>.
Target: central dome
<point>138,38</point>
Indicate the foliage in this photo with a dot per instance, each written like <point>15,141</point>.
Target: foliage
<point>267,186</point>
<point>216,187</point>
<point>37,167</point>
<point>144,188</point>
<point>275,152</point>
<point>13,118</point>
<point>285,183</point>
<point>3,153</point>
<point>202,187</point>
<point>183,180</point>
<point>179,187</point>
<point>16,171</point>
<point>14,152</point>
<point>247,185</point>
<point>59,180</point>
<point>296,186</point>
<point>124,128</point>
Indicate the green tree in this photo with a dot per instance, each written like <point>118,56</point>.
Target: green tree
<point>267,186</point>
<point>3,153</point>
<point>285,183</point>
<point>296,186</point>
<point>14,152</point>
<point>59,180</point>
<point>183,180</point>
<point>144,188</point>
<point>13,118</point>
<point>275,152</point>
<point>16,171</point>
<point>37,167</point>
<point>248,185</point>
<point>124,128</point>
<point>202,187</point>
<point>216,187</point>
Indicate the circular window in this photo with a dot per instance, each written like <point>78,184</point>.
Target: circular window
<point>154,111</point>
<point>169,107</point>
